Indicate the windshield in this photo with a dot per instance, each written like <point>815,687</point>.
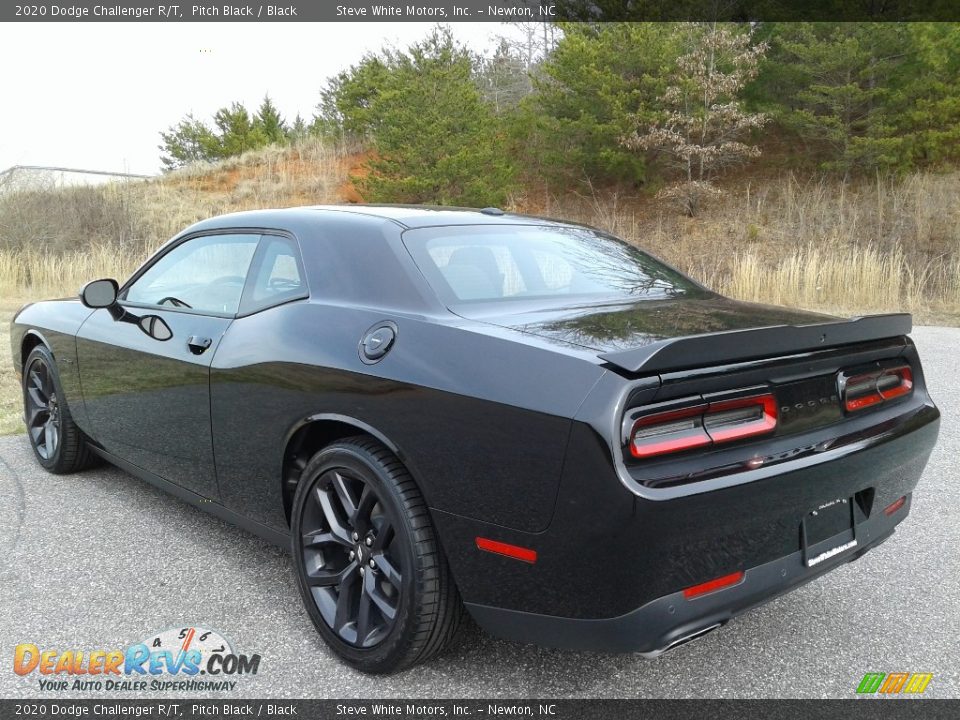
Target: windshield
<point>497,263</point>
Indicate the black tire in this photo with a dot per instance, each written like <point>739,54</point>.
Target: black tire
<point>58,444</point>
<point>361,475</point>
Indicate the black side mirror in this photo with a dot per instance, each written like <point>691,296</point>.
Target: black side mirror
<point>100,293</point>
<point>155,327</point>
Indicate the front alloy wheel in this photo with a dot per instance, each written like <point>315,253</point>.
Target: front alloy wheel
<point>369,566</point>
<point>58,444</point>
<point>42,409</point>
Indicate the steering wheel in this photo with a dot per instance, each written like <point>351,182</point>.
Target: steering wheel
<point>176,302</point>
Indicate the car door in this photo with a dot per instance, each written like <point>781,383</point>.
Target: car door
<point>145,363</point>
<point>255,391</point>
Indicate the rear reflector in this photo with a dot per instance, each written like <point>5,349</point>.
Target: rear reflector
<point>895,505</point>
<point>703,424</point>
<point>713,585</point>
<point>872,388</point>
<point>512,551</point>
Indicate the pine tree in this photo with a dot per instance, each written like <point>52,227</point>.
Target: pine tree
<point>843,89</point>
<point>269,122</point>
<point>591,90</point>
<point>238,132</point>
<point>188,141</point>
<point>434,137</point>
<point>299,130</point>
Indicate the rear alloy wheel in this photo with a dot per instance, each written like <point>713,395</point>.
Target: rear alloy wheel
<point>370,570</point>
<point>59,445</point>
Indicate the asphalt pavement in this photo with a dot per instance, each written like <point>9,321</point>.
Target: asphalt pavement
<point>100,560</point>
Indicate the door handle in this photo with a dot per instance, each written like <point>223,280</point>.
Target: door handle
<point>198,344</point>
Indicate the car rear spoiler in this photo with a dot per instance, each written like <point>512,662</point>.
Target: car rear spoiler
<point>742,345</point>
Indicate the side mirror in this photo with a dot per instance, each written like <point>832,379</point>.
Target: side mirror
<point>100,293</point>
<point>155,327</point>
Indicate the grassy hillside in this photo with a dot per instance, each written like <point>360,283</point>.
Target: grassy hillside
<point>808,241</point>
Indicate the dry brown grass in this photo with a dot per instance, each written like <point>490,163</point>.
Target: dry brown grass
<point>11,406</point>
<point>871,246</point>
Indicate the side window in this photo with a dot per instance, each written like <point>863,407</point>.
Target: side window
<point>206,274</point>
<point>276,276</point>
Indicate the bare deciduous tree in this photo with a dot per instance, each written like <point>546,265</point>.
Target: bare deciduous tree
<point>704,119</point>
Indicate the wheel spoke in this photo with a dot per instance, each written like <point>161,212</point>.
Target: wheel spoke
<point>345,601</point>
<point>384,535</point>
<point>337,527</point>
<point>361,516</point>
<point>322,537</point>
<point>37,397</point>
<point>387,569</point>
<point>363,616</point>
<point>34,418</point>
<point>328,578</point>
<point>36,379</point>
<point>43,376</point>
<point>339,484</point>
<point>388,611</point>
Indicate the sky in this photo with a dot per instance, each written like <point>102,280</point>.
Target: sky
<point>95,96</point>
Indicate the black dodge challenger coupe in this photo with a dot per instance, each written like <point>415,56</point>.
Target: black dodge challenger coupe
<point>438,409</point>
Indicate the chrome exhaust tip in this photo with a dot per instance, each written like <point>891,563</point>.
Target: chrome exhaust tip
<point>682,641</point>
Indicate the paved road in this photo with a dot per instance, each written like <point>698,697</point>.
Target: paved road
<point>101,560</point>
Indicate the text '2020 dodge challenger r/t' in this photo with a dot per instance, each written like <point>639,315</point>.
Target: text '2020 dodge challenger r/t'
<point>439,409</point>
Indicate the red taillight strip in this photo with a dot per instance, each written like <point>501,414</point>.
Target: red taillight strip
<point>864,401</point>
<point>713,585</point>
<point>512,551</point>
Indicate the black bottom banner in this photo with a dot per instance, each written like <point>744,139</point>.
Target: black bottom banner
<point>561,709</point>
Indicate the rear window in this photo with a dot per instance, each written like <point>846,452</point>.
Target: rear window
<point>497,263</point>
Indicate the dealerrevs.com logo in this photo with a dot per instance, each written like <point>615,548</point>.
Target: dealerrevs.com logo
<point>189,659</point>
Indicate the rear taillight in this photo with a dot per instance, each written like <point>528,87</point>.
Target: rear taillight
<point>669,432</point>
<point>745,417</point>
<point>872,388</point>
<point>702,425</point>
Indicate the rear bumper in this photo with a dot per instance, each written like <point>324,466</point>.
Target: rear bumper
<point>671,620</point>
<point>611,567</point>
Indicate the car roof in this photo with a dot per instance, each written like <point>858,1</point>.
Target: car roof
<point>406,216</point>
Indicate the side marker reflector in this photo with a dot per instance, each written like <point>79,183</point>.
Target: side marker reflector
<point>713,585</point>
<point>894,506</point>
<point>511,551</point>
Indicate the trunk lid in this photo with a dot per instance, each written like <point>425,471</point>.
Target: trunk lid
<point>685,332</point>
